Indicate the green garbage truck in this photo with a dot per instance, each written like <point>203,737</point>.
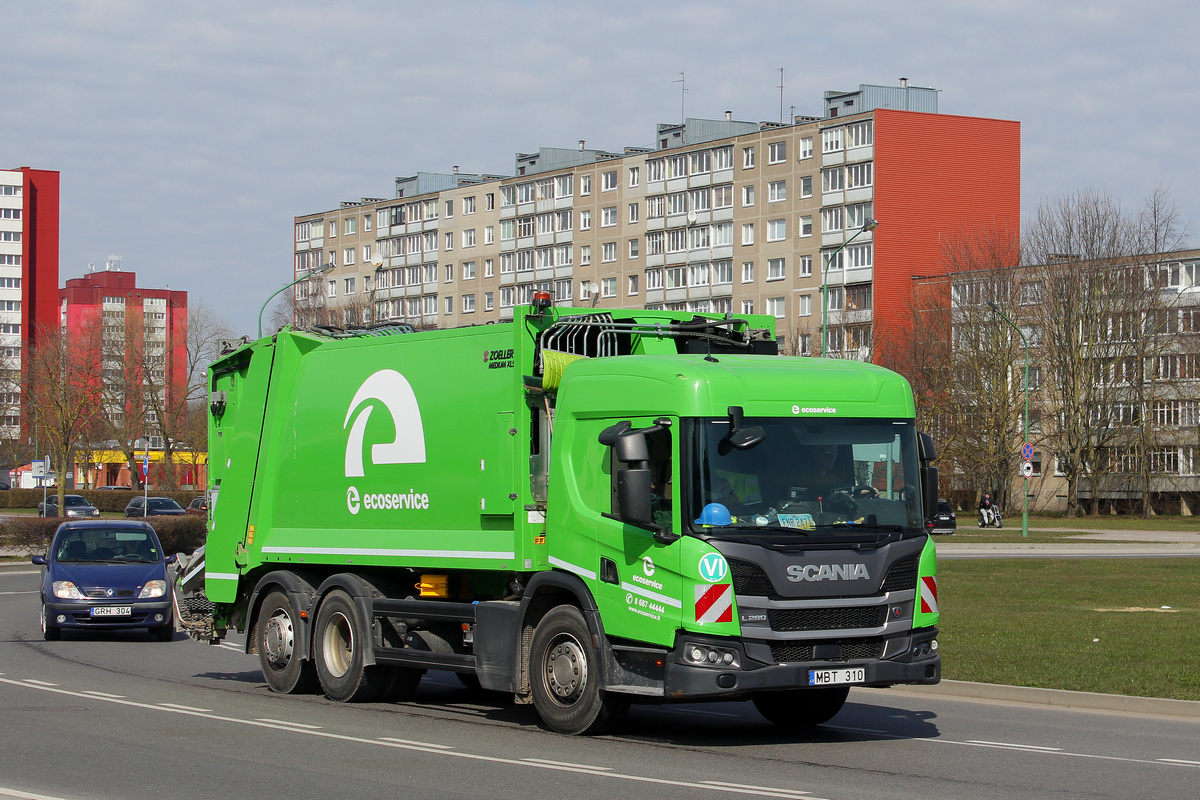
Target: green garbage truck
<point>581,508</point>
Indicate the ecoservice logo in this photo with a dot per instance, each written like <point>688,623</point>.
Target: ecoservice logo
<point>390,390</point>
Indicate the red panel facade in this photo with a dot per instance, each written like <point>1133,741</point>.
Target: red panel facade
<point>39,267</point>
<point>936,176</point>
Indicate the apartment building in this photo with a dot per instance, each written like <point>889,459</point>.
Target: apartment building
<point>157,354</point>
<point>719,215</point>
<point>29,202</point>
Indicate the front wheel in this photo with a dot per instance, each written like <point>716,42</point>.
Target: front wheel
<point>801,708</point>
<point>50,632</point>
<point>283,668</point>
<point>565,679</point>
<point>339,653</point>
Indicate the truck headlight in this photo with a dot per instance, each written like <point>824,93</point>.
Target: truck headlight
<point>153,589</point>
<point>709,656</point>
<point>67,591</point>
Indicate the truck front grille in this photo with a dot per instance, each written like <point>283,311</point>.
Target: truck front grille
<point>902,575</point>
<point>840,650</point>
<point>749,580</point>
<point>827,619</point>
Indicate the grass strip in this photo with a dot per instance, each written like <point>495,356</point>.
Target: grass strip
<point>1088,625</point>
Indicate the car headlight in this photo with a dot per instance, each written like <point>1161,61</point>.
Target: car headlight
<point>153,589</point>
<point>67,591</point>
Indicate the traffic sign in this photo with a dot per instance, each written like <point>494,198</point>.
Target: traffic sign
<point>1027,451</point>
<point>1027,469</point>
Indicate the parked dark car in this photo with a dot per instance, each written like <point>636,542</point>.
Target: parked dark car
<point>75,504</point>
<point>106,575</point>
<point>153,507</point>
<point>112,488</point>
<point>945,521</point>
<point>198,507</point>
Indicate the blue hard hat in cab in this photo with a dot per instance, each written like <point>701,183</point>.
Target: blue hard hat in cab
<point>715,514</point>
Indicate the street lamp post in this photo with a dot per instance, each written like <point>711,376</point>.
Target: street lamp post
<point>996,310</point>
<point>869,225</point>
<point>311,274</point>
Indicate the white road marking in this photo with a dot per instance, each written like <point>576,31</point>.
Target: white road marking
<point>184,708</point>
<point>6,792</point>
<point>22,572</point>
<point>287,723</point>
<point>34,591</point>
<point>105,695</point>
<point>888,734</point>
<point>419,744</point>
<point>1181,762</point>
<point>39,683</point>
<point>580,767</point>
<point>312,730</point>
<point>1015,745</point>
<point>794,793</point>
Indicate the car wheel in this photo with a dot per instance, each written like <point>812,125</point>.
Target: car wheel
<point>338,653</point>
<point>164,633</point>
<point>283,668</point>
<point>50,633</point>
<point>801,708</point>
<point>564,676</point>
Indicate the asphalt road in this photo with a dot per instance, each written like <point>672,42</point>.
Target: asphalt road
<point>116,717</point>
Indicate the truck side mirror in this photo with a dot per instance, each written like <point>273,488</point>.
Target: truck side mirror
<point>631,447</point>
<point>929,486</point>
<point>633,495</point>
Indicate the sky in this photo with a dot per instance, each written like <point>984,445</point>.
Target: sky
<point>188,136</point>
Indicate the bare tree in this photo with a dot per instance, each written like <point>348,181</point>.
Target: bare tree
<point>65,391</point>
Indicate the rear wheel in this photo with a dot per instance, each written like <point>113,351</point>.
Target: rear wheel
<point>339,653</point>
<point>402,683</point>
<point>800,708</point>
<point>50,632</point>
<point>282,666</point>
<point>564,676</point>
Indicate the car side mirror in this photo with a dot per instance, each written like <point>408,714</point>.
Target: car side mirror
<point>39,560</point>
<point>171,559</point>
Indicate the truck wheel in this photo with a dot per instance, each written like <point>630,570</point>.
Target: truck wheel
<point>339,653</point>
<point>49,632</point>
<point>801,708</point>
<point>282,667</point>
<point>565,679</point>
<point>402,684</point>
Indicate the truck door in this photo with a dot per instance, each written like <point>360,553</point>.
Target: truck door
<point>639,585</point>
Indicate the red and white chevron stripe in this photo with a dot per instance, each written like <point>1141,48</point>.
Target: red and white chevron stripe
<point>714,603</point>
<point>929,595</point>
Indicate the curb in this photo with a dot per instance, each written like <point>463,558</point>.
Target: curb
<point>1058,698</point>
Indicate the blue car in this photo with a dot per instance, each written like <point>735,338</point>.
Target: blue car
<point>106,575</point>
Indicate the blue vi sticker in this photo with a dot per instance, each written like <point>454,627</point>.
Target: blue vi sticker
<point>713,567</point>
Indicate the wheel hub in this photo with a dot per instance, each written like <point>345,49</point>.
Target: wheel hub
<point>279,640</point>
<point>566,670</point>
<point>337,645</point>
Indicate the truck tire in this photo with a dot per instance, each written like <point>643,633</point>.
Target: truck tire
<point>283,668</point>
<point>564,676</point>
<point>401,685</point>
<point>801,708</point>
<point>338,653</point>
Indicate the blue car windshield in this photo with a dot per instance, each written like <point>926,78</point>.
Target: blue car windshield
<point>108,545</point>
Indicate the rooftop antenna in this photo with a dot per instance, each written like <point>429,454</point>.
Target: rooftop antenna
<point>682,94</point>
<point>781,95</point>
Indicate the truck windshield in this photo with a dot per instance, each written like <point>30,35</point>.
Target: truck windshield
<point>804,478</point>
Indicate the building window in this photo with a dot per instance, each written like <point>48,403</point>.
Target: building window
<point>806,148</point>
<point>805,264</point>
<point>585,220</point>
<point>701,162</point>
<point>747,233</point>
<point>776,307</point>
<point>608,252</point>
<point>562,290</point>
<point>832,180</point>
<point>806,186</point>
<point>860,175</point>
<point>468,204</point>
<point>635,176</point>
<point>860,134</point>
<point>722,158</point>
<point>507,294</point>
<point>748,195</point>
<point>777,152</point>
<point>831,140</point>
<point>489,234</point>
<point>608,181</point>
<point>608,217</point>
<point>654,169</point>
<point>1031,293</point>
<point>468,303</point>
<point>332,228</point>
<point>858,297</point>
<point>348,256</point>
<point>722,196</point>
<point>656,207</point>
<point>805,227</point>
<point>776,191</point>
<point>631,285</point>
<point>449,214</point>
<point>468,237</point>
<point>488,298</point>
<point>701,199</point>
<point>349,285</point>
<point>804,305</point>
<point>776,269</point>
<point>449,304</point>
<point>633,213</point>
<point>776,230</point>
<point>449,240</point>
<point>585,185</point>
<point>747,306</point>
<point>722,271</point>
<point>654,279</point>
<point>468,270</point>
<point>633,248</point>
<point>608,287</point>
<point>747,272</point>
<point>489,203</point>
<point>747,158</point>
<point>831,219</point>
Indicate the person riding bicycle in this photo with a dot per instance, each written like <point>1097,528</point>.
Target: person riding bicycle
<point>986,510</point>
